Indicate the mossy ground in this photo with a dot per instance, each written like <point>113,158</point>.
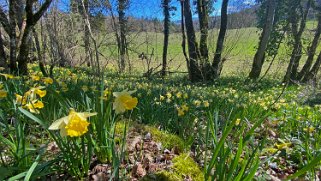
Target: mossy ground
<point>183,167</point>
<point>167,140</point>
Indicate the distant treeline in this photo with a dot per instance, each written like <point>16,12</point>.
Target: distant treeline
<point>245,18</point>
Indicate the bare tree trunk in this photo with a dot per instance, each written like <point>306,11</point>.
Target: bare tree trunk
<point>292,70</point>
<point>3,56</point>
<point>194,55</point>
<point>311,51</point>
<point>24,51</point>
<point>217,62</point>
<point>184,37</point>
<point>32,19</point>
<point>114,27</point>
<point>122,4</point>
<point>314,71</point>
<point>18,8</point>
<point>39,52</point>
<point>13,37</point>
<point>86,17</point>
<point>264,40</point>
<point>166,35</point>
<point>202,9</point>
<point>86,32</point>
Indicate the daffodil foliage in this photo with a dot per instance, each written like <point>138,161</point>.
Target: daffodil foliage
<point>234,129</point>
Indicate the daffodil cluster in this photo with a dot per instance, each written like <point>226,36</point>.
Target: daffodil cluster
<point>30,99</point>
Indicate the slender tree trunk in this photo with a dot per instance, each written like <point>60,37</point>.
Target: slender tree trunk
<point>314,71</point>
<point>184,37</point>
<point>311,51</point>
<point>292,70</point>
<point>39,52</point>
<point>217,62</point>
<point>86,37</point>
<point>122,27</point>
<point>202,8</point>
<point>166,35</point>
<point>3,56</point>
<point>86,18</point>
<point>115,29</point>
<point>18,8</point>
<point>24,51</point>
<point>264,40</point>
<point>194,55</point>
<point>13,37</point>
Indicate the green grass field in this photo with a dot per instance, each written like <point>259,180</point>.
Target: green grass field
<point>240,47</point>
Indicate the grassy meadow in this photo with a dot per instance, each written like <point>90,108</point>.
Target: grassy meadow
<point>239,50</point>
<point>79,126</point>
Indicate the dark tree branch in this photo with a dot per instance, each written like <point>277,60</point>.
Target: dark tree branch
<point>4,21</point>
<point>32,18</point>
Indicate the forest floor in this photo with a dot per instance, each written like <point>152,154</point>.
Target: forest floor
<point>134,128</point>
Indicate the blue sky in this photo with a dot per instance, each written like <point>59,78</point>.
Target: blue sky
<point>152,8</point>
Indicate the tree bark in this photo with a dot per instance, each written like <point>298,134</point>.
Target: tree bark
<point>5,21</point>
<point>258,60</point>
<point>39,53</point>
<point>18,8</point>
<point>86,31</point>
<point>32,19</point>
<point>13,37</point>
<point>314,71</point>
<point>86,18</point>
<point>122,4</point>
<point>24,51</point>
<point>311,51</point>
<point>195,73</point>
<point>184,37</point>
<point>292,70</point>
<point>166,35</point>
<point>3,56</point>
<point>202,8</point>
<point>217,61</point>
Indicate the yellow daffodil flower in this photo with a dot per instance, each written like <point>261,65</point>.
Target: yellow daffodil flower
<point>180,112</point>
<point>35,77</point>
<point>282,146</point>
<point>238,121</point>
<point>3,93</point>
<point>34,106</point>
<point>270,150</point>
<point>73,125</point>
<point>197,103</point>
<point>47,80</point>
<point>8,76</point>
<point>33,91</point>
<point>124,101</point>
<point>206,104</point>
<point>168,95</point>
<point>179,95</point>
<point>185,107</point>
<point>20,100</point>
<point>40,93</point>
<point>309,129</point>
